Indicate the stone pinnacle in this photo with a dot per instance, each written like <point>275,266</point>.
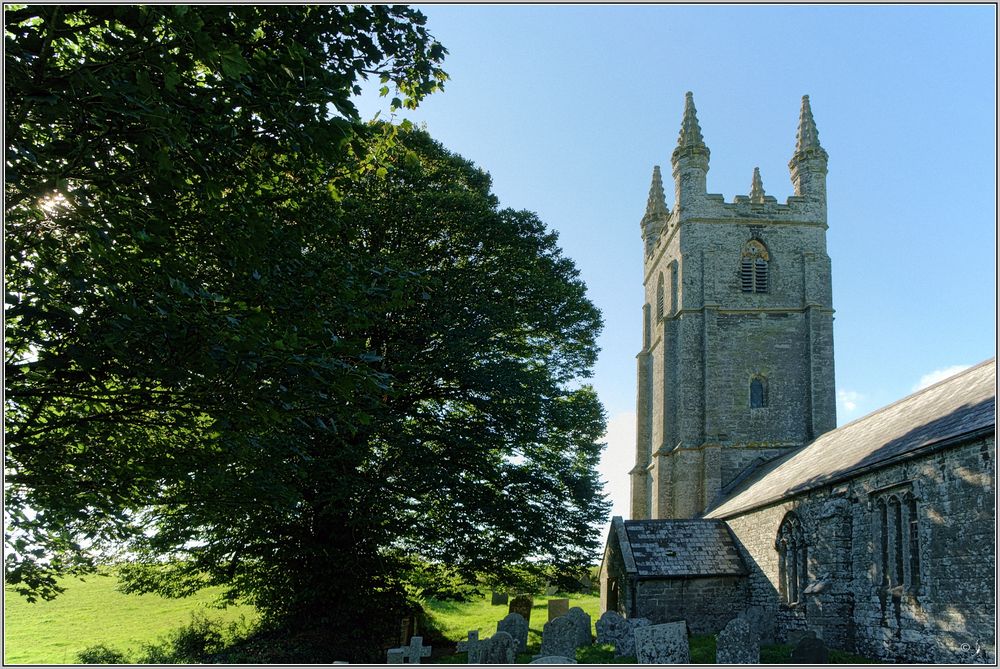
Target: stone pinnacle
<point>656,205</point>
<point>690,130</point>
<point>757,187</point>
<point>807,136</point>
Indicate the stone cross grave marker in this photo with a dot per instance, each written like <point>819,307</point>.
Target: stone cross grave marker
<point>558,607</point>
<point>516,626</point>
<point>415,650</point>
<point>522,606</point>
<point>581,619</point>
<point>737,643</point>
<point>559,637</point>
<point>500,649</point>
<point>472,646</point>
<point>662,644</point>
<point>498,598</point>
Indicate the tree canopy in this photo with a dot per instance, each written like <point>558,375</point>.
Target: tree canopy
<point>256,343</point>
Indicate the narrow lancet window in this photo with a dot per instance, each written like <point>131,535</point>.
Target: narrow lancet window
<point>659,297</point>
<point>758,393</point>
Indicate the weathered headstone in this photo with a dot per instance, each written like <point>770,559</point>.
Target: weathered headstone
<point>737,643</point>
<point>810,650</point>
<point>553,659</point>
<point>522,606</point>
<point>558,607</point>
<point>473,646</point>
<point>762,620</point>
<point>394,656</point>
<point>498,598</point>
<point>614,629</point>
<point>551,589</point>
<point>582,621</point>
<point>499,649</point>
<point>414,651</point>
<point>662,644</point>
<point>559,637</point>
<point>515,625</point>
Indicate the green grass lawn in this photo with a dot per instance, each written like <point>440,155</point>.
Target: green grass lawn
<point>455,619</point>
<point>93,612</point>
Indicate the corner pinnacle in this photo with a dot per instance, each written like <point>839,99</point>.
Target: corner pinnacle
<point>807,136</point>
<point>656,205</point>
<point>690,135</point>
<point>757,187</point>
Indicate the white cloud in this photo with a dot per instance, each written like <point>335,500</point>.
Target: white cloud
<point>847,400</point>
<point>931,378</point>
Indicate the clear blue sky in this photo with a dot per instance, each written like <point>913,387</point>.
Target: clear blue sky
<point>569,107</point>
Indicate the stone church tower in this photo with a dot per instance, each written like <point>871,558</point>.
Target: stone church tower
<point>736,366</point>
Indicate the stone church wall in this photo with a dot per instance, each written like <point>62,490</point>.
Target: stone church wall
<point>943,612</point>
<point>707,604</point>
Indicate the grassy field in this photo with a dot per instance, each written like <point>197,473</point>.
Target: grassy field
<point>93,612</point>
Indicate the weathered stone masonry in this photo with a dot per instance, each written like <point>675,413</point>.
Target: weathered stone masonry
<point>878,536</point>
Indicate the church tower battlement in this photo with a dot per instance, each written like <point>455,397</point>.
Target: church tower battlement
<point>736,366</point>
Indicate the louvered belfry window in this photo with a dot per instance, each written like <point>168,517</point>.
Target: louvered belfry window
<point>754,263</point>
<point>659,297</point>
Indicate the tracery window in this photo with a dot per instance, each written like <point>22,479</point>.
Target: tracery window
<point>897,541</point>
<point>754,267</point>
<point>793,560</point>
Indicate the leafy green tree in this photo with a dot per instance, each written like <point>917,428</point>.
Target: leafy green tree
<point>259,345</point>
<point>168,170</point>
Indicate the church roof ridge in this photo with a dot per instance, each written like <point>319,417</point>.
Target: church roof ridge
<point>951,409</point>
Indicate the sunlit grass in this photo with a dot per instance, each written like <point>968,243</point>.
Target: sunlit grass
<point>93,612</point>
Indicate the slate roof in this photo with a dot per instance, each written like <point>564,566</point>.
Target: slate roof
<point>681,548</point>
<point>957,408</point>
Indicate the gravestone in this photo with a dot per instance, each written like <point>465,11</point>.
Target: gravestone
<point>614,629</point>
<point>551,589</point>
<point>473,646</point>
<point>521,605</point>
<point>559,637</point>
<point>558,607</point>
<point>582,621</point>
<point>407,629</point>
<point>662,644</point>
<point>499,649</point>
<point>810,650</point>
<point>516,626</point>
<point>394,656</point>
<point>498,598</point>
<point>627,648</point>
<point>737,643</point>
<point>553,659</point>
<point>414,651</point>
<point>762,620</point>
